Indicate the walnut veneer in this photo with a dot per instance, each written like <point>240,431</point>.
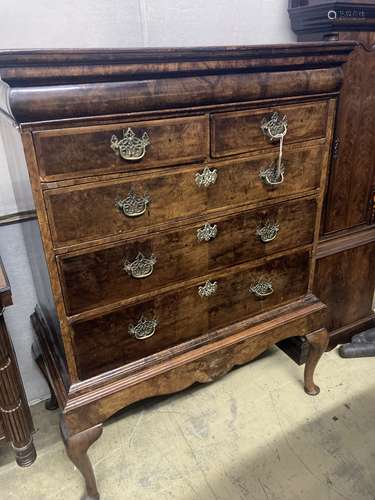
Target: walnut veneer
<point>178,241</point>
<point>345,277</point>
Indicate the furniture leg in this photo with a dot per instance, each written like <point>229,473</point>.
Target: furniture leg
<point>51,403</point>
<point>14,412</point>
<point>26,455</point>
<point>318,342</point>
<point>77,446</point>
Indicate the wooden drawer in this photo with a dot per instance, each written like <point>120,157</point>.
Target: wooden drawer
<point>95,278</point>
<point>104,343</point>
<point>77,152</point>
<point>172,195</point>
<point>240,131</point>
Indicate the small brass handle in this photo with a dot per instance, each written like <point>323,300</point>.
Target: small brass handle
<point>268,231</point>
<point>141,267</point>
<point>273,176</point>
<point>144,329</point>
<point>275,126</point>
<point>130,147</point>
<point>207,232</point>
<point>206,178</point>
<point>133,205</point>
<point>208,289</point>
<point>262,289</point>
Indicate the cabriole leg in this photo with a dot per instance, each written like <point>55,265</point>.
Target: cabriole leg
<point>76,447</point>
<point>318,342</point>
<point>51,403</point>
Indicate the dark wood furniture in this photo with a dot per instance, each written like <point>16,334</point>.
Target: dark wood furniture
<point>345,276</point>
<point>179,228</point>
<point>16,424</point>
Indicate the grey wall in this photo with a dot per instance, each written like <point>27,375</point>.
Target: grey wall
<point>109,23</point>
<point>124,23</point>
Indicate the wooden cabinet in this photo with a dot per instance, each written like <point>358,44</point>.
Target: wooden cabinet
<point>347,239</point>
<point>16,425</point>
<point>179,197</point>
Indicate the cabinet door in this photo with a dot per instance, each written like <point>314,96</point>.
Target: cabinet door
<point>354,148</point>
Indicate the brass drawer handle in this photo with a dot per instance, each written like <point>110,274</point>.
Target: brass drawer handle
<point>262,288</point>
<point>207,232</point>
<point>206,178</point>
<point>141,267</point>
<point>273,175</point>
<point>268,231</point>
<point>144,329</point>
<point>133,205</point>
<point>130,147</point>
<point>208,289</point>
<point>275,126</point>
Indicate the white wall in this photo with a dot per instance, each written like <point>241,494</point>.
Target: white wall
<point>111,23</point>
<point>124,23</point>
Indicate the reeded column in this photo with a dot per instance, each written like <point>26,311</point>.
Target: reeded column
<point>14,411</point>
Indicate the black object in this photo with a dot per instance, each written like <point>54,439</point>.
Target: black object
<point>361,346</point>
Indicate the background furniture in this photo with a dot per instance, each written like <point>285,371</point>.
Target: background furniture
<point>179,196</point>
<point>345,276</point>
<point>16,425</point>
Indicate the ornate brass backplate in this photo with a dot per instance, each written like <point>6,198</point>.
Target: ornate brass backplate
<point>130,147</point>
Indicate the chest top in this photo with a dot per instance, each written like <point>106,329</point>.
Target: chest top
<point>43,85</point>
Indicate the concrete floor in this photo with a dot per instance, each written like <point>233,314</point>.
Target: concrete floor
<point>252,435</point>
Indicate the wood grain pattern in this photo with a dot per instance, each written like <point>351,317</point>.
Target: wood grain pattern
<point>91,278</point>
<point>349,290</point>
<point>65,65</point>
<point>85,151</point>
<point>185,315</point>
<point>352,170</point>
<point>69,103</point>
<point>344,278</point>
<point>86,99</point>
<point>205,363</point>
<point>174,194</point>
<point>240,132</point>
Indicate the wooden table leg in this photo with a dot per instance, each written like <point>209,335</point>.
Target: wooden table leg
<point>318,342</point>
<point>77,446</point>
<point>51,403</point>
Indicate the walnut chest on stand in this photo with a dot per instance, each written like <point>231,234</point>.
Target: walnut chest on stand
<point>179,198</point>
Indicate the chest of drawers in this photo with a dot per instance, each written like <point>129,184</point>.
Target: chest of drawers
<point>179,196</point>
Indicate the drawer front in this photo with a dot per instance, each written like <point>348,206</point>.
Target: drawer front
<point>240,131</point>
<point>137,331</point>
<point>71,152</point>
<point>131,268</point>
<point>92,211</point>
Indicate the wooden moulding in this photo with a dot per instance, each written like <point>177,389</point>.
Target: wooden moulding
<point>299,318</point>
<point>92,402</point>
<point>46,86</point>
<point>69,65</point>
